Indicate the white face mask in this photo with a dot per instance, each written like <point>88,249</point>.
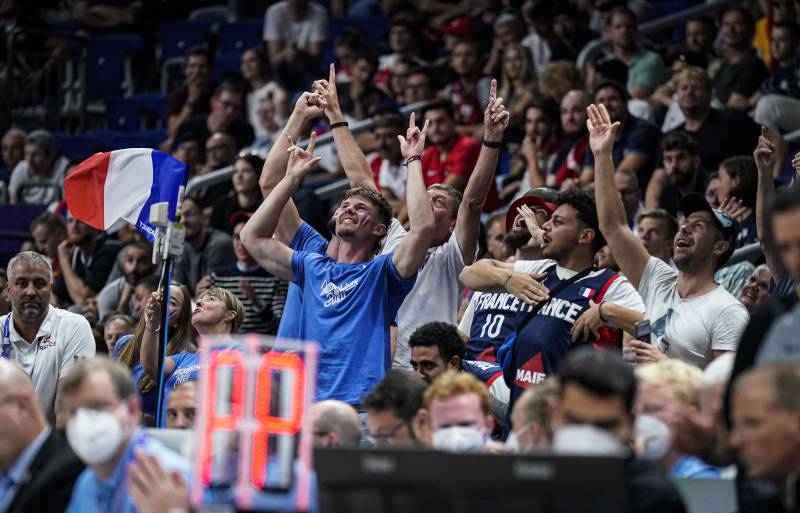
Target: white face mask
<point>513,443</point>
<point>94,435</point>
<point>458,439</point>
<point>652,437</point>
<point>585,439</point>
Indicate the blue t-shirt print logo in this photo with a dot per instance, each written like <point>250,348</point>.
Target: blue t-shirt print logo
<point>334,293</point>
<point>659,329</point>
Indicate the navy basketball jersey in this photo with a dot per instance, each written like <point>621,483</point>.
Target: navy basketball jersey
<point>545,340</point>
<point>494,318</point>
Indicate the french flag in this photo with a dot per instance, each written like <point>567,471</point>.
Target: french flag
<point>586,292</point>
<point>121,185</point>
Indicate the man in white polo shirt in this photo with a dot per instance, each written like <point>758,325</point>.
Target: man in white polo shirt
<point>45,341</point>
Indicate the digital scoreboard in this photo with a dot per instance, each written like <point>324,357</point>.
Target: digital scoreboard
<point>252,449</point>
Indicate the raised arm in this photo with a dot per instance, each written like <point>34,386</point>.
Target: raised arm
<point>148,353</point>
<point>257,235</point>
<point>765,156</point>
<point>631,255</point>
<point>307,107</point>
<point>413,248</point>
<point>495,121</point>
<point>354,163</point>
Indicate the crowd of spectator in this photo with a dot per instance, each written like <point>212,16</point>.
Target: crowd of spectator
<point>531,256</point>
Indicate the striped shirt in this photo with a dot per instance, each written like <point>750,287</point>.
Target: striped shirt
<point>270,290</point>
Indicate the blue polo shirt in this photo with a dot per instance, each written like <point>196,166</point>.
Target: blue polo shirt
<point>105,495</point>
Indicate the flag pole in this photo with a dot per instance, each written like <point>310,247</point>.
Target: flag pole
<point>164,286</point>
<point>168,246</point>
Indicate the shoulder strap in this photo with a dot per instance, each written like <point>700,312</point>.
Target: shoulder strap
<point>558,288</point>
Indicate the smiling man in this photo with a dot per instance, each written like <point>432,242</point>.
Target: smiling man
<point>45,341</point>
<point>693,318</point>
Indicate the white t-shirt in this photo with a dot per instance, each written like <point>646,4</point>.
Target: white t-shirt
<point>436,295</point>
<point>279,26</point>
<point>620,292</point>
<point>39,195</point>
<point>393,178</point>
<point>254,99</point>
<point>689,329</point>
<point>63,337</point>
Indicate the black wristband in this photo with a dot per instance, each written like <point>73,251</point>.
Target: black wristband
<point>337,125</point>
<point>495,145</point>
<point>412,159</point>
<point>600,312</point>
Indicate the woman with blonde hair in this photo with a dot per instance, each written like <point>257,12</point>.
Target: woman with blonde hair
<point>217,313</point>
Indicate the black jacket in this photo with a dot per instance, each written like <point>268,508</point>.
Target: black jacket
<point>47,485</point>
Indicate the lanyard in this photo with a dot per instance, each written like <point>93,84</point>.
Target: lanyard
<point>8,348</point>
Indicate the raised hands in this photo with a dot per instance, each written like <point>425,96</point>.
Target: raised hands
<point>326,90</point>
<point>765,153</point>
<point>310,106</point>
<point>414,142</point>
<point>495,117</point>
<point>601,131</point>
<point>735,208</point>
<point>529,216</point>
<point>302,161</point>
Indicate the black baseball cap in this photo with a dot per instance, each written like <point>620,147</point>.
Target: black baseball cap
<point>696,202</point>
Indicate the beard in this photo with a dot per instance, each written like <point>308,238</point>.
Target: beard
<point>30,310</point>
<point>516,239</point>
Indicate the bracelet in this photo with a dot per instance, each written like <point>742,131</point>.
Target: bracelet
<point>495,145</point>
<point>412,159</point>
<point>284,132</point>
<point>505,283</point>
<point>337,125</point>
<point>155,331</point>
<point>600,311</point>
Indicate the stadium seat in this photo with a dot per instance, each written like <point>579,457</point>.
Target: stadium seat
<point>374,26</point>
<point>77,147</point>
<point>239,36</point>
<point>108,70</point>
<point>126,113</point>
<point>178,36</point>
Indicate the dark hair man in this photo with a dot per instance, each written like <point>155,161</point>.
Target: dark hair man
<point>570,240</point>
<point>394,416</point>
<point>225,116</point>
<point>692,317</point>
<point>597,389</point>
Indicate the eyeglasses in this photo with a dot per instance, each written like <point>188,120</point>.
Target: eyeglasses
<point>383,438</point>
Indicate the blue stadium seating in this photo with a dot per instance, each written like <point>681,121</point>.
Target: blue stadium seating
<point>241,35</point>
<point>125,113</point>
<point>178,36</point>
<point>227,66</point>
<point>107,62</point>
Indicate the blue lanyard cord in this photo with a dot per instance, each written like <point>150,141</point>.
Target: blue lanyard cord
<point>7,338</point>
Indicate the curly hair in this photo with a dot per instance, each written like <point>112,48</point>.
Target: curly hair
<point>583,202</point>
<point>442,335</point>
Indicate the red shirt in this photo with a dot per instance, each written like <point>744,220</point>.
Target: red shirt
<point>459,160</point>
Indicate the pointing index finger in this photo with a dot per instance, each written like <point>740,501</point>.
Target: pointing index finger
<point>493,90</point>
<point>412,120</point>
<point>332,75</point>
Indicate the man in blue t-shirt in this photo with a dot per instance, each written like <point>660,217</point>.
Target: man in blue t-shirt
<point>348,302</point>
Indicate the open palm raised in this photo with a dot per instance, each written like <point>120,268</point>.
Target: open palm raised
<point>601,131</point>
